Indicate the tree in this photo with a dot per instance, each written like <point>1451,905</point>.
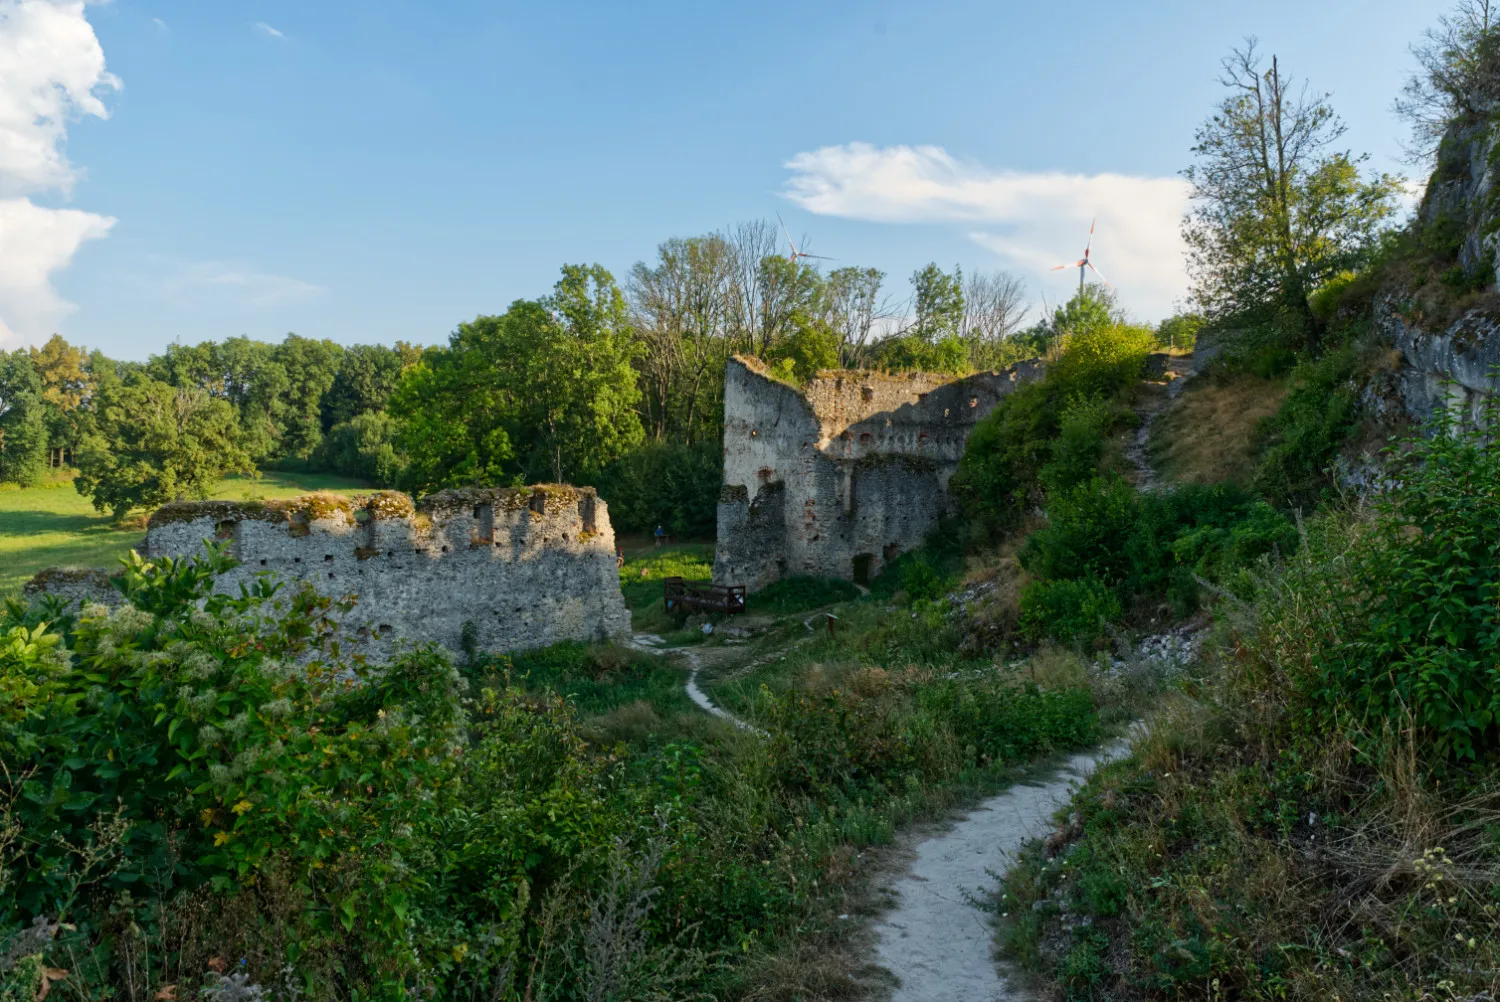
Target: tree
<point>1275,212</point>
<point>1459,80</point>
<point>682,311</point>
<point>546,389</point>
<point>67,387</point>
<point>811,346</point>
<point>154,443</point>
<point>310,368</point>
<point>937,303</point>
<point>587,392</point>
<point>23,424</point>
<point>366,376</point>
<point>994,304</point>
<point>363,447</point>
<point>853,308</point>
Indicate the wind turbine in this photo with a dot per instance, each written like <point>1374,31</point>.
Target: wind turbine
<point>1084,263</point>
<point>795,252</point>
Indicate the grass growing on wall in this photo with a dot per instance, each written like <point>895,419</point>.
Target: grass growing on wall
<point>55,526</point>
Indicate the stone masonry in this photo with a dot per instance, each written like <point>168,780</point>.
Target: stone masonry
<point>839,478</point>
<point>526,566</point>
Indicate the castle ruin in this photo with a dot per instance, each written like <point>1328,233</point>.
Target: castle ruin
<point>493,569</point>
<point>838,479</point>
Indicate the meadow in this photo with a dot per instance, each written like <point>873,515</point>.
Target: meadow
<point>54,526</point>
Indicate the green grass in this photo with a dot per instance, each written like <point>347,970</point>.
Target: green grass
<point>641,578</point>
<point>54,526</point>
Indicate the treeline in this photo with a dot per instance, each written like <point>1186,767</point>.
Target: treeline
<point>615,385</point>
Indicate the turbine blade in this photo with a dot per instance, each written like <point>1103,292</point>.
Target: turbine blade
<point>1096,271</point>
<point>1076,264</point>
<point>1090,244</point>
<point>788,235</point>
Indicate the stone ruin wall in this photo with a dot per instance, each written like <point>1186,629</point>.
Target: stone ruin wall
<point>527,566</point>
<point>838,479</point>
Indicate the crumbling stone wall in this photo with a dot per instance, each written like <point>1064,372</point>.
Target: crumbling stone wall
<point>527,566</point>
<point>839,478</point>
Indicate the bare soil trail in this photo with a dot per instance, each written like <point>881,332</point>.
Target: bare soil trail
<point>935,940</point>
<point>650,643</point>
<point>1182,368</point>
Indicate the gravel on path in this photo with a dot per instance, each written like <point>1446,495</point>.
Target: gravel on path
<point>935,941</point>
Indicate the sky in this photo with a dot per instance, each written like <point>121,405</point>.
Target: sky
<point>386,169</point>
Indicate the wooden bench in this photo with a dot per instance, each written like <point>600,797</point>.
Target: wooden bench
<point>702,596</point>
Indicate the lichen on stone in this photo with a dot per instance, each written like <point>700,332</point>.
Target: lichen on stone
<point>386,505</point>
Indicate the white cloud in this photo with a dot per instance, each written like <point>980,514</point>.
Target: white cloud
<point>238,283</point>
<point>160,23</point>
<point>34,244</point>
<point>267,30</point>
<point>1032,221</point>
<point>51,70</point>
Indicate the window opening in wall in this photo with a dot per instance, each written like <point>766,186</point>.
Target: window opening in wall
<point>225,529</point>
<point>866,394</point>
<point>587,505</point>
<point>539,503</point>
<point>862,564</point>
<point>328,558</point>
<point>484,523</point>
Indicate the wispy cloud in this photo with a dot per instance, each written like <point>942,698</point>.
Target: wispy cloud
<point>159,23</point>
<point>267,30</point>
<point>236,283</point>
<point>51,71</point>
<point>1031,220</point>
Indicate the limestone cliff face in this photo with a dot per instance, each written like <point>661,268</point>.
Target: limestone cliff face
<point>527,566</point>
<point>1449,364</point>
<point>1461,207</point>
<point>1453,368</point>
<point>837,479</point>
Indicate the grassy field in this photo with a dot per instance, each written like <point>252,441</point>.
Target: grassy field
<point>55,526</point>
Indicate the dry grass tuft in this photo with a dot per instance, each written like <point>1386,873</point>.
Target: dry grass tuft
<point>1206,435</point>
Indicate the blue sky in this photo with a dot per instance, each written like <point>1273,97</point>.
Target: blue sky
<point>386,169</point>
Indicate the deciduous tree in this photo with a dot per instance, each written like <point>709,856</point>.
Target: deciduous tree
<point>154,443</point>
<point>23,424</point>
<point>1276,211</point>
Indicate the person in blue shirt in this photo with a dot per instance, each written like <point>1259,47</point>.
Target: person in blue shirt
<point>660,534</point>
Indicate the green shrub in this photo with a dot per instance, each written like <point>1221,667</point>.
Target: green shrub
<point>363,447</point>
<point>1405,609</point>
<point>1068,609</point>
<point>1298,444</point>
<point>1079,445</point>
<point>1143,545</point>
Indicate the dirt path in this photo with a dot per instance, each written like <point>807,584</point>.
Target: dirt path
<point>1185,367</point>
<point>650,643</point>
<point>939,945</point>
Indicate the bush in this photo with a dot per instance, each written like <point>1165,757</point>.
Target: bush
<point>363,447</point>
<point>1051,433</point>
<point>1144,546</point>
<point>1401,614</point>
<point>1070,610</point>
<point>1298,445</point>
<point>1079,446</point>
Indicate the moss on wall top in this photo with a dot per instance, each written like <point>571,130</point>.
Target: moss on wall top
<point>378,505</point>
